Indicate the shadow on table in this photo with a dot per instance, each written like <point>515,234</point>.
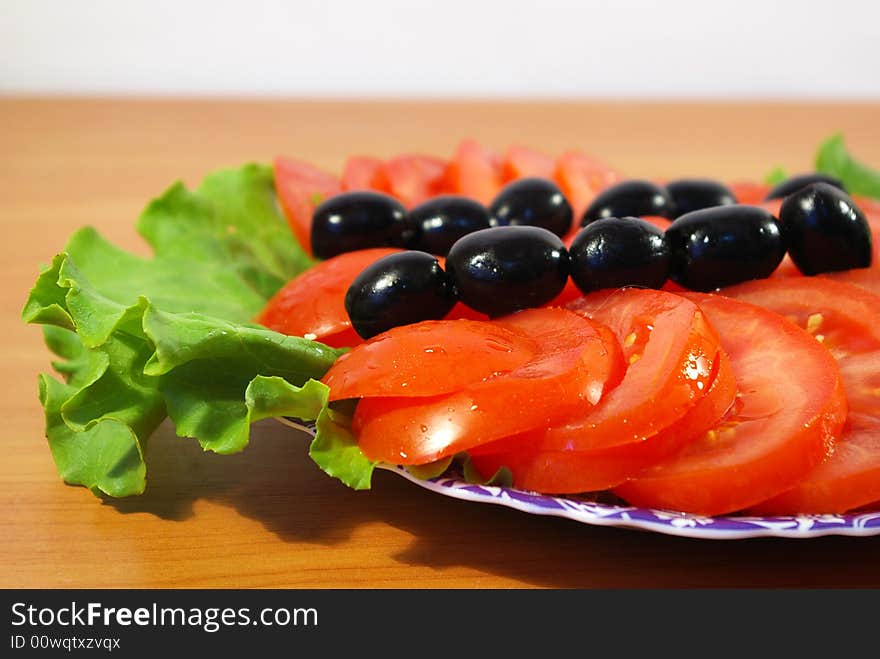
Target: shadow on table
<point>275,483</point>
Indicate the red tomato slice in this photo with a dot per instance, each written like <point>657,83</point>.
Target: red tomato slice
<point>575,364</point>
<point>671,349</point>
<point>661,223</point>
<point>475,171</point>
<point>313,303</point>
<point>364,173</point>
<point>749,192</point>
<point>789,410</point>
<point>581,178</point>
<point>414,178</point>
<point>560,472</point>
<point>428,358</point>
<point>523,162</point>
<point>847,320</point>
<point>300,187</point>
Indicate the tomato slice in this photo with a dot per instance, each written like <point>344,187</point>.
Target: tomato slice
<point>749,192</point>
<point>581,178</point>
<point>364,173</point>
<point>671,349</point>
<point>847,321</point>
<point>414,178</point>
<point>789,410</point>
<point>560,472</point>
<point>313,304</point>
<point>428,358</point>
<point>576,362</point>
<point>474,171</point>
<point>523,162</point>
<point>300,187</point>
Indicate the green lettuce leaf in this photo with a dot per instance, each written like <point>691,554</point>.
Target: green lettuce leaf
<point>833,159</point>
<point>140,340</point>
<point>776,176</point>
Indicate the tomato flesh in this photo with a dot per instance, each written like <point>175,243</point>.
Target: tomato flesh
<point>474,172</point>
<point>414,178</point>
<point>790,408</point>
<point>428,358</point>
<point>561,472</point>
<point>576,362</point>
<point>581,178</point>
<point>300,187</point>
<point>313,304</point>
<point>671,349</point>
<point>364,173</point>
<point>523,162</point>
<point>749,192</point>
<point>847,320</point>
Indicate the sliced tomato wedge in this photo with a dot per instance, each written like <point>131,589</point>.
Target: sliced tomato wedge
<point>300,187</point>
<point>427,359</point>
<point>523,162</point>
<point>414,178</point>
<point>749,192</point>
<point>565,472</point>
<point>576,362</point>
<point>474,171</point>
<point>364,173</point>
<point>847,322</point>
<point>671,349</point>
<point>581,178</point>
<point>313,304</point>
<point>790,408</point>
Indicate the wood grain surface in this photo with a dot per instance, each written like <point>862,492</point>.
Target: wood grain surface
<point>268,517</point>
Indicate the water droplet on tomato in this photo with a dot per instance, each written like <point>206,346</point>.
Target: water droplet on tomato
<point>493,343</point>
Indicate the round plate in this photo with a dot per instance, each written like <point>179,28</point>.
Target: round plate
<point>598,513</point>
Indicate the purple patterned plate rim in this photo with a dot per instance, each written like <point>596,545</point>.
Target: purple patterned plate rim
<point>725,527</point>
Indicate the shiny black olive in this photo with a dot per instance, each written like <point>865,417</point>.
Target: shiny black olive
<point>825,231</point>
<point>617,252</point>
<point>439,222</point>
<point>724,245</point>
<point>536,202</point>
<point>358,220</point>
<point>693,194</point>
<point>398,289</point>
<point>631,198</point>
<point>795,183</point>
<point>504,269</point>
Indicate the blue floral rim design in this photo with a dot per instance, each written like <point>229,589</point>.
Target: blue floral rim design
<point>597,513</point>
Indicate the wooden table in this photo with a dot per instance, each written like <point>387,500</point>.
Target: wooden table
<point>268,517</point>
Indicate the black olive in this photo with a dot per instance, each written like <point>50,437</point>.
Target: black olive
<point>825,231</point>
<point>617,252</point>
<point>693,194</point>
<point>358,220</point>
<point>439,222</point>
<point>631,198</point>
<point>504,269</point>
<point>724,245</point>
<point>398,289</point>
<point>795,183</point>
<point>534,202</point>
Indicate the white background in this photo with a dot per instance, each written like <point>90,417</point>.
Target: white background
<point>448,48</point>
